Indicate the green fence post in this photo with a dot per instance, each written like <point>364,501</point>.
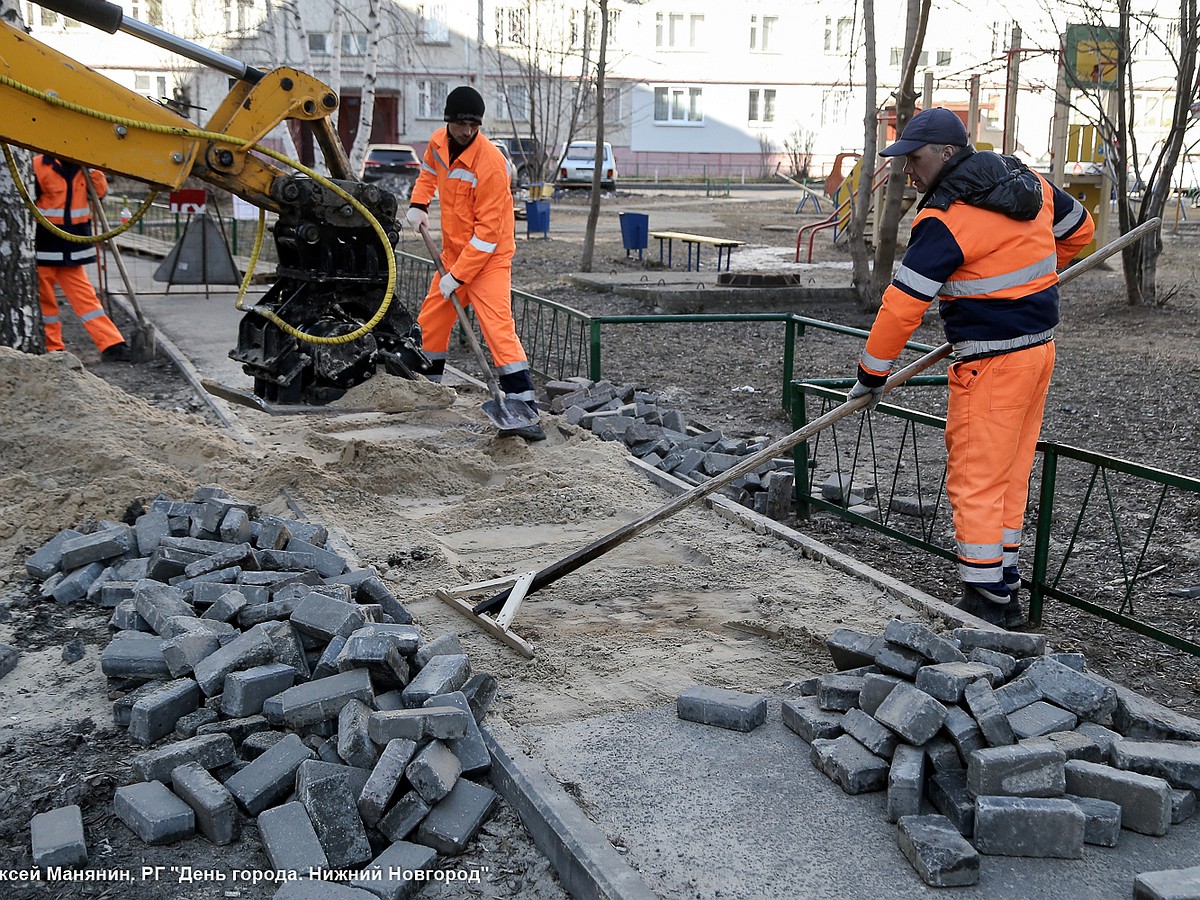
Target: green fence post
<point>1041,540</point>
<point>800,456</point>
<point>594,350</point>
<point>789,351</point>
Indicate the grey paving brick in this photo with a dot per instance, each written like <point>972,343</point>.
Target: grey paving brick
<point>1141,718</point>
<point>255,745</point>
<point>244,652</point>
<point>850,765</point>
<point>373,590</point>
<point>911,713</point>
<point>1177,763</point>
<point>227,606</point>
<point>134,655</point>
<point>328,563</point>
<point>404,816</point>
<point>985,710</point>
<point>470,748</point>
<point>433,771</point>
<point>401,857</point>
<point>906,782</point>
<point>57,838</point>
<point>157,602</point>
<point>723,708</point>
<point>899,660</point>
<point>940,855</point>
<point>1183,805</point>
<point>216,813</point>
<point>1015,644</point>
<point>183,651</point>
<point>850,649</point>
<point>185,726</point>
<point>353,743</point>
<point>1017,694</point>
<point>452,822</point>
<point>211,751</point>
<point>153,813</point>
<point>1102,820</point>
<point>876,687</point>
<point>804,716</point>
<point>271,611</point>
<point>1087,697</point>
<point>376,795</point>
<point>155,713</point>
<point>947,791</point>
<point>99,545</point>
<point>864,729</point>
<point>838,692</point>
<point>125,617</point>
<point>8,658</point>
<point>923,640</point>
<point>75,585</point>
<point>246,691</point>
<point>442,645</point>
<point>1016,771</point>
<point>948,681</point>
<point>1029,826</point>
<point>317,701</point>
<point>235,556</point>
<point>943,756</point>
<point>440,675</point>
<point>237,729</point>
<point>1104,738</point>
<point>323,617</point>
<point>333,809</point>
<point>1004,662</point>
<point>47,559</point>
<point>289,840</point>
<point>288,646</point>
<point>1168,884</point>
<point>149,530</point>
<point>1041,718</point>
<point>378,654</point>
<point>269,778</point>
<point>1073,744</point>
<point>315,769</point>
<point>286,561</point>
<point>1145,800</point>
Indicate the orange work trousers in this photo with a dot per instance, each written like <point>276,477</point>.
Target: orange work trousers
<point>992,427</point>
<point>490,294</point>
<point>77,288</point>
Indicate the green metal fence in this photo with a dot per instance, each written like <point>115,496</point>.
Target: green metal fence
<point>1115,555</point>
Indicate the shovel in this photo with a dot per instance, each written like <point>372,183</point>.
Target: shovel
<point>143,344</point>
<point>505,414</point>
<point>554,571</point>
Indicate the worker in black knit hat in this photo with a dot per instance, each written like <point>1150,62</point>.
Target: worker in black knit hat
<point>471,179</point>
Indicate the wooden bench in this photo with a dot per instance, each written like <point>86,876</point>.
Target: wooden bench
<point>723,245</point>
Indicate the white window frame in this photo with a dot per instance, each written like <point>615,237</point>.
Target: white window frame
<point>761,106</point>
<point>320,43</point>
<point>431,98</point>
<point>512,26</point>
<point>762,32</point>
<point>512,104</point>
<point>354,44</point>
<point>839,35</point>
<point>435,27</point>
<point>835,107</point>
<point>679,105</point>
<point>678,31</point>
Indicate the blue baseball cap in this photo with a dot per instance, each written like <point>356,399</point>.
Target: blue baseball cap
<point>930,126</point>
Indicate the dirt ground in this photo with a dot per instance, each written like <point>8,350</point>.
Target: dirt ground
<point>433,499</point>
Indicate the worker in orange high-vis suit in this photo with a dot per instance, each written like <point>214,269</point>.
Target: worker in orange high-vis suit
<point>988,238</point>
<point>470,177</point>
<point>62,197</point>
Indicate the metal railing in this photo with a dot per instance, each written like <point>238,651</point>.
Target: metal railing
<point>1116,555</point>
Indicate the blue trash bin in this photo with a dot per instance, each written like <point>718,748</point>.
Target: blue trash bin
<point>537,217</point>
<point>635,232</point>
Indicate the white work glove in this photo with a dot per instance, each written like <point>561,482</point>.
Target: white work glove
<point>861,389</point>
<point>448,285</point>
<point>417,217</point>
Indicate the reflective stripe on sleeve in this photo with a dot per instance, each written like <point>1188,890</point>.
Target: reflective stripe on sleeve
<point>481,245</point>
<point>1070,220</point>
<point>917,283</point>
<point>975,287</point>
<point>874,363</point>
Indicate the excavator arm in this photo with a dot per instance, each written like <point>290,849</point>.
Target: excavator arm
<point>333,267</point>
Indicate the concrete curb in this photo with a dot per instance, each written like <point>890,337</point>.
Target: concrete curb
<point>587,864</point>
<point>814,549</point>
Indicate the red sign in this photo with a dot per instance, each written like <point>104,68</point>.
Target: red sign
<point>188,202</point>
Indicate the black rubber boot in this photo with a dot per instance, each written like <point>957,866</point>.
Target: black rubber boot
<point>1014,616</point>
<point>978,605</point>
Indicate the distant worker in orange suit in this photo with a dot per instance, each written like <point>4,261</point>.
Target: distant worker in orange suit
<point>989,235</point>
<point>471,179</point>
<point>62,197</point>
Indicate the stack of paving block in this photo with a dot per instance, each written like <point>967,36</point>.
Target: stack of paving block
<point>270,677</point>
<point>987,743</point>
<point>662,438</point>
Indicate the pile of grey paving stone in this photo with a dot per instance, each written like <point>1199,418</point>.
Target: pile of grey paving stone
<point>662,438</point>
<point>985,742</point>
<point>269,676</point>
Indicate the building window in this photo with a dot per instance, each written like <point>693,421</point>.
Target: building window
<point>943,58</point>
<point>585,29</point>
<point>431,98</point>
<point>839,36</point>
<point>512,104</point>
<point>762,105</point>
<point>148,11</point>
<point>237,15</point>
<point>762,33</point>
<point>510,26</point>
<point>897,57</point>
<point>679,105</point>
<point>319,43</point>
<point>835,107</point>
<point>676,31</point>
<point>354,45</point>
<point>434,28</point>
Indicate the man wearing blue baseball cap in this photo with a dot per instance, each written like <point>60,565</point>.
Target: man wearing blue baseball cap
<point>989,235</point>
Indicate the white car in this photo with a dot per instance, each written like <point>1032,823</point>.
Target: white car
<point>578,161</point>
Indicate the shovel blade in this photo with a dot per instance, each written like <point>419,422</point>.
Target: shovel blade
<point>143,343</point>
<point>509,414</point>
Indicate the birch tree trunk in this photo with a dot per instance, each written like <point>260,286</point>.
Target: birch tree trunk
<point>20,314</point>
<point>862,281</point>
<point>366,104</point>
<point>589,234</point>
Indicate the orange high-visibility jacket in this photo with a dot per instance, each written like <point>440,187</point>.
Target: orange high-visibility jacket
<point>476,203</point>
<point>995,276</point>
<point>62,197</point>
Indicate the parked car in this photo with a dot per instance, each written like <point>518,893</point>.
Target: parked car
<point>528,155</point>
<point>578,161</point>
<point>513,181</point>
<point>394,167</point>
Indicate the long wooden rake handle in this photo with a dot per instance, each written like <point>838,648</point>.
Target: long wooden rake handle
<point>584,555</point>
